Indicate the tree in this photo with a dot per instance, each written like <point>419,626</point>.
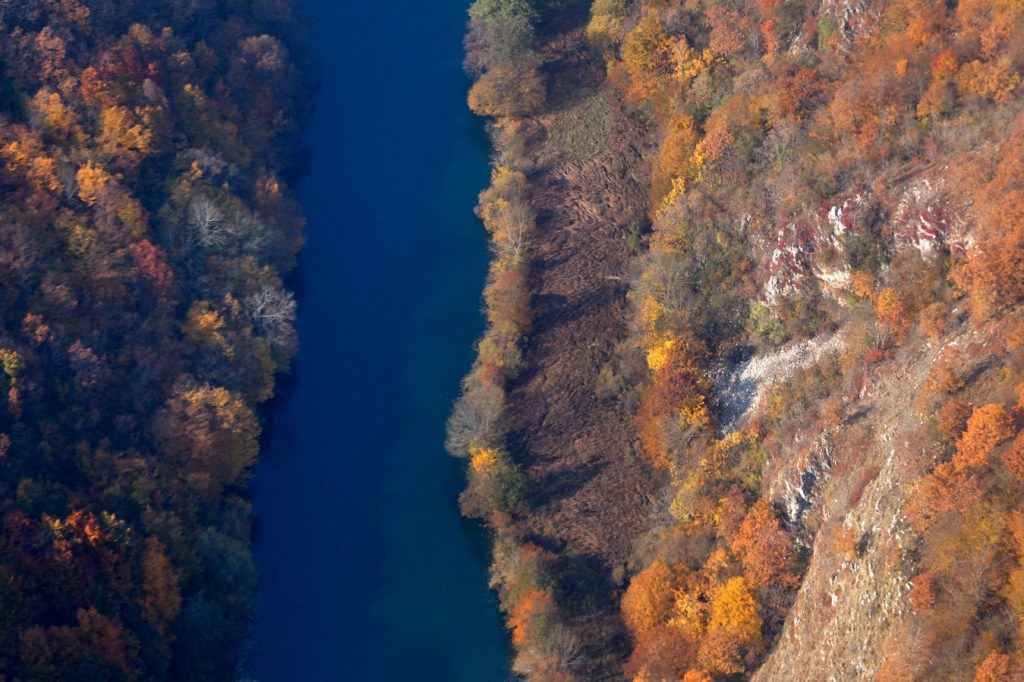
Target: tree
<point>476,418</point>
<point>513,89</point>
<point>1013,457</point>
<point>152,264</point>
<point>529,615</point>
<point>765,549</point>
<point>500,32</point>
<point>206,221</point>
<point>123,138</point>
<point>697,676</point>
<point>677,148</point>
<point>648,600</point>
<point>161,595</point>
<point>605,26</point>
<point>508,298</point>
<point>952,418</point>
<point>734,637</point>
<point>506,211</point>
<point>892,313</point>
<point>660,654</point>
<point>995,668</point>
<point>211,431</point>
<point>988,426</point>
<point>48,112</point>
<point>732,32</point>
<point>645,55</point>
<point>272,311</point>
<point>499,49</point>
<point>93,182</point>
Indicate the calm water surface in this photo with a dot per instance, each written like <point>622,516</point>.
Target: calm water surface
<point>367,571</point>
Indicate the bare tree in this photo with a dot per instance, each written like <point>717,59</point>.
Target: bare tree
<point>272,311</point>
<point>517,223</point>
<point>476,417</point>
<point>206,220</point>
<point>248,231</point>
<point>562,649</point>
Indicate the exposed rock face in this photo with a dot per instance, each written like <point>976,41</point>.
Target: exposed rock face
<point>812,251</point>
<point>741,387</point>
<point>849,17</point>
<point>925,219</point>
<point>846,496</point>
<point>815,252</point>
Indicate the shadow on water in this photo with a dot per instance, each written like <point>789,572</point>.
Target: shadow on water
<point>367,570</point>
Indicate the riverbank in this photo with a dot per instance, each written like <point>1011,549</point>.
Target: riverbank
<point>565,429</point>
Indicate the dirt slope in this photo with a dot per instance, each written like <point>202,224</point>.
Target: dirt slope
<point>576,448</point>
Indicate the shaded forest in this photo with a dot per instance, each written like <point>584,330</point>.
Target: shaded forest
<point>146,223</point>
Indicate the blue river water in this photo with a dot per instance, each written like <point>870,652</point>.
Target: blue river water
<point>367,570</point>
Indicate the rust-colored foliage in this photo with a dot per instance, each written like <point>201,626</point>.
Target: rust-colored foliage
<point>952,418</point>
<point>765,548</point>
<point>995,668</point>
<point>1013,457</point>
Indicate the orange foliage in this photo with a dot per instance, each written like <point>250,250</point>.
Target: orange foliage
<point>988,426</point>
<point>508,298</point>
<point>944,375</point>
<point>678,146</point>
<point>677,391</point>
<point>995,668</point>
<point>648,600</point>
<point>993,273</point>
<point>645,57</point>
<point>697,676</point>
<point>660,654</point>
<point>892,313</point>
<point>59,120</point>
<point>92,183</point>
<point>734,636</point>
<point>732,32</point>
<point>938,98</point>
<point>935,320</point>
<point>924,592</point>
<point>947,489</point>
<point>122,136</point>
<point>527,615</point>
<point>994,80</point>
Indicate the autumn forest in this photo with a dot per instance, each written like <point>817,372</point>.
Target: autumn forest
<point>749,404</point>
<point>146,150</point>
<point>748,398</point>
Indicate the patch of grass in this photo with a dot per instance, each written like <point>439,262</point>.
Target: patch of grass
<point>579,132</point>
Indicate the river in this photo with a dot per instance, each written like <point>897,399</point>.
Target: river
<point>367,571</point>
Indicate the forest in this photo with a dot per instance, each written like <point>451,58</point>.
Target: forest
<point>830,187</point>
<point>146,227</point>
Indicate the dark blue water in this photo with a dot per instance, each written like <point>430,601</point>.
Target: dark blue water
<point>367,571</point>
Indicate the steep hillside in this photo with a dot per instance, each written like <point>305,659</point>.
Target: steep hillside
<point>754,366</point>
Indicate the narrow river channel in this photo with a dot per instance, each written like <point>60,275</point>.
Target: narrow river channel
<point>367,571</point>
